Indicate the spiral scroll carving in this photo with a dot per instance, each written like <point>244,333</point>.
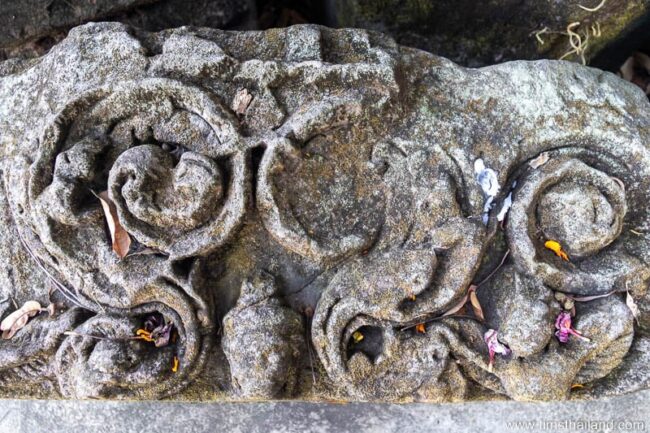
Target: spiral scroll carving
<point>311,221</point>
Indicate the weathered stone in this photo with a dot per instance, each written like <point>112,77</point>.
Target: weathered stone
<point>262,340</point>
<point>328,223</point>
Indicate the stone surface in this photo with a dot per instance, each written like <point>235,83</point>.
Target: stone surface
<point>306,221</point>
<point>486,32</point>
<point>627,413</point>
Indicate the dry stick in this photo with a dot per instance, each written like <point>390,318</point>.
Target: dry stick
<point>311,359</point>
<point>97,337</point>
<point>494,271</point>
<point>435,319</point>
<point>63,289</point>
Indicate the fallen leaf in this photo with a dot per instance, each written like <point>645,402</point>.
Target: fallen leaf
<point>419,328</point>
<point>629,301</point>
<point>175,365</point>
<point>627,70</point>
<point>241,101</point>
<point>18,319</point>
<point>642,60</point>
<point>541,159</point>
<point>119,237</point>
<point>476,305</point>
<point>456,307</point>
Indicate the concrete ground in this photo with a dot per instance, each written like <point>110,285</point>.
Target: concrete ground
<point>630,413</point>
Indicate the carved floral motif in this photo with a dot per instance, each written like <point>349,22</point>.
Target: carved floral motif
<point>340,205</point>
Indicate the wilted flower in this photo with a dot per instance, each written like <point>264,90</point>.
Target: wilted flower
<point>156,330</point>
<point>564,329</point>
<point>489,182</point>
<point>556,247</point>
<point>494,346</point>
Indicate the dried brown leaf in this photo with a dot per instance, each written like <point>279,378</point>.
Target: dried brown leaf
<point>642,60</point>
<point>476,305</point>
<point>119,237</point>
<point>629,301</point>
<point>457,307</point>
<point>541,159</point>
<point>627,69</point>
<point>241,101</point>
<point>18,319</point>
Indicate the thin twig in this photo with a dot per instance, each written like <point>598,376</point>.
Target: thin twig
<point>311,359</point>
<point>503,260</point>
<point>63,289</point>
<point>437,318</point>
<point>97,337</point>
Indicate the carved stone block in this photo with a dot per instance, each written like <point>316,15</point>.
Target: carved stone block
<point>318,214</point>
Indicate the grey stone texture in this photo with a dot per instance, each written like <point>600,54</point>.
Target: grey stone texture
<point>308,242</point>
<point>628,413</point>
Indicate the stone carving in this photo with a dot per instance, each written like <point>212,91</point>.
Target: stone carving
<point>318,239</point>
<point>263,341</point>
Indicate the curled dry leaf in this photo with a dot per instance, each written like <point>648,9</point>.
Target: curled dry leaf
<point>119,237</point>
<point>456,308</point>
<point>241,101</point>
<point>636,69</point>
<point>473,299</point>
<point>476,305</point>
<point>540,160</point>
<point>18,319</point>
<point>629,301</point>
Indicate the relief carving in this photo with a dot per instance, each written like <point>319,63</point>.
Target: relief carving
<point>306,221</point>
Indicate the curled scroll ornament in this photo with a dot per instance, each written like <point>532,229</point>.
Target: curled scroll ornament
<point>174,165</point>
